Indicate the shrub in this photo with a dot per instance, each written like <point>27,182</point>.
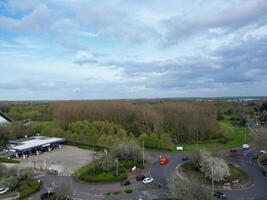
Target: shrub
<point>128,191</point>
<point>6,160</point>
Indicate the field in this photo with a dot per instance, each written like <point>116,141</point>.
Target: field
<point>237,135</point>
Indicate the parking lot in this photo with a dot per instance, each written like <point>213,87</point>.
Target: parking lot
<point>65,160</point>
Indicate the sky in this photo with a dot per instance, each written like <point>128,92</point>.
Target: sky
<point>117,49</point>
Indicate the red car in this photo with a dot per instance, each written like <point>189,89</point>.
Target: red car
<point>164,161</point>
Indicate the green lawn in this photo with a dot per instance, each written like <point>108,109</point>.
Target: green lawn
<point>238,135</point>
<point>92,173</point>
<point>5,160</point>
<point>86,173</point>
<point>28,187</point>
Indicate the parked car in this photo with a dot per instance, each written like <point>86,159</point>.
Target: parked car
<point>219,195</point>
<point>125,183</point>
<point>140,177</point>
<point>185,158</point>
<point>264,173</point>
<point>263,151</point>
<point>233,150</point>
<point>46,195</point>
<point>148,180</point>
<point>164,161</point>
<point>3,190</point>
<point>255,156</point>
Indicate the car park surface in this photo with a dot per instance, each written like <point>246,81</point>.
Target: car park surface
<point>62,161</point>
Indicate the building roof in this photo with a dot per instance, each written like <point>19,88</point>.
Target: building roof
<point>3,120</point>
<point>34,142</point>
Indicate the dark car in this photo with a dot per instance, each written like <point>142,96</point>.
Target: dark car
<point>53,172</point>
<point>125,183</point>
<point>255,156</point>
<point>233,150</point>
<point>219,195</point>
<point>46,195</point>
<point>264,173</point>
<point>184,158</point>
<point>140,177</point>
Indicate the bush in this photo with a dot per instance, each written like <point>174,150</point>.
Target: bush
<point>6,160</point>
<point>128,191</point>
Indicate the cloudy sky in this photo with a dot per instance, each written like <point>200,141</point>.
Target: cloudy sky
<point>82,49</point>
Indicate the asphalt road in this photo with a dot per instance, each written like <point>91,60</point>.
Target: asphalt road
<point>158,189</point>
<point>258,190</point>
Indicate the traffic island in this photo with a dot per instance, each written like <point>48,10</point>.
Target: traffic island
<point>237,180</point>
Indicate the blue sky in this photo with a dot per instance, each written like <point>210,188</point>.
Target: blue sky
<point>82,49</point>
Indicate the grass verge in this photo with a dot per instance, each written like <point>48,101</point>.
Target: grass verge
<point>6,160</point>
<point>28,187</point>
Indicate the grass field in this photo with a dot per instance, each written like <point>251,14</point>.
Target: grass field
<point>86,173</point>
<point>237,135</point>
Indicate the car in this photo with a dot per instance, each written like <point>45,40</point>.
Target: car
<point>3,190</point>
<point>233,150</point>
<point>255,156</point>
<point>140,177</point>
<point>263,151</point>
<point>264,173</point>
<point>245,146</point>
<point>148,180</point>
<point>46,195</point>
<point>125,183</point>
<point>53,172</point>
<point>164,161</point>
<point>184,158</point>
<point>219,195</point>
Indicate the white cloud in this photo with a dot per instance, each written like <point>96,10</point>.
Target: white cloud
<point>37,20</point>
<point>83,57</point>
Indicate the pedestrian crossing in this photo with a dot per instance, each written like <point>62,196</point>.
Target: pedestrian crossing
<point>65,174</point>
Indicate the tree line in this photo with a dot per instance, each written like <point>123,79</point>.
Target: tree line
<point>182,121</point>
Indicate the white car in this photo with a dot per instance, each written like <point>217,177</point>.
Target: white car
<point>3,190</point>
<point>263,151</point>
<point>148,180</point>
<point>245,146</point>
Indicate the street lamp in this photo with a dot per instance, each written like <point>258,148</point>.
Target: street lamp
<point>117,166</point>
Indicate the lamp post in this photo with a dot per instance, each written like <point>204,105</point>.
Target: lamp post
<point>117,166</point>
<point>143,153</point>
<point>212,181</point>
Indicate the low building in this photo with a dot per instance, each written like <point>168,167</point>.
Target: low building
<point>4,119</point>
<point>35,144</point>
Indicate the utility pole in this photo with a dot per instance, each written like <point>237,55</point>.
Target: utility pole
<point>143,153</point>
<point>245,137</point>
<point>212,181</point>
